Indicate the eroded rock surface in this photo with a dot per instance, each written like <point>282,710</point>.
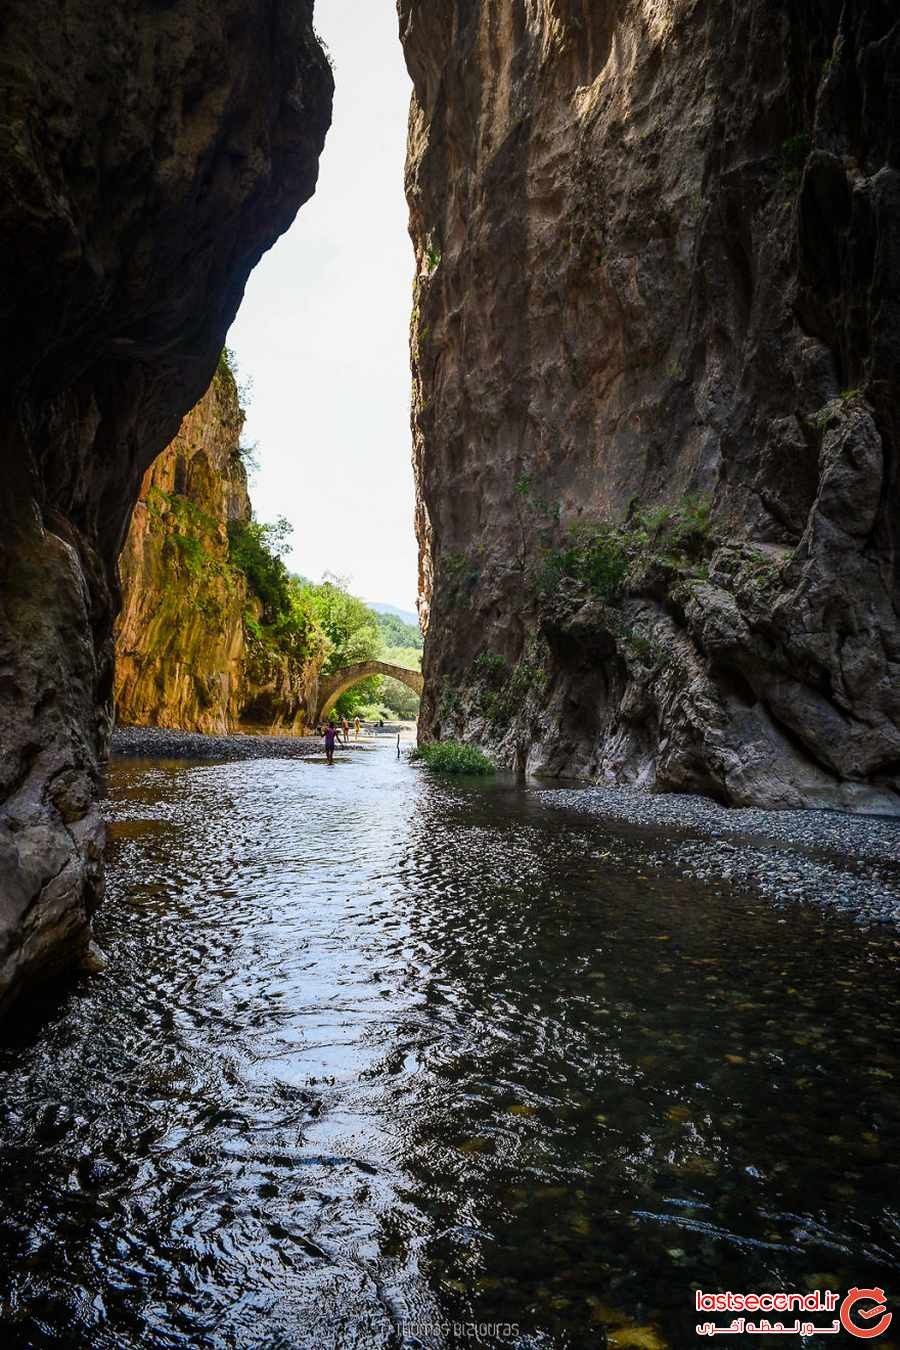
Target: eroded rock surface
<point>185,656</point>
<point>149,154</point>
<point>658,256</point>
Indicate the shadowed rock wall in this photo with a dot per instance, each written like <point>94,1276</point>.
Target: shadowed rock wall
<point>658,249</point>
<point>149,154</point>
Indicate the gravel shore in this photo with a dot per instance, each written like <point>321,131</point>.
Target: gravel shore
<point>161,743</point>
<point>827,858</point>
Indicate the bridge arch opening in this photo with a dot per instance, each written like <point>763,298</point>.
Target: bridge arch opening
<point>331,687</point>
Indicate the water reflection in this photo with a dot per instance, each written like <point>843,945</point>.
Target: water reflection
<point>376,1052</point>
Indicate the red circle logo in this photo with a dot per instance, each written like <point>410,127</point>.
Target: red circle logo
<point>879,1310</point>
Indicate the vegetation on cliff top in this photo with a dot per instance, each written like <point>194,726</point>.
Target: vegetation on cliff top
<point>229,373</point>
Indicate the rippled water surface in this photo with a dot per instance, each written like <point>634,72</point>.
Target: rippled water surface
<point>375,1054</point>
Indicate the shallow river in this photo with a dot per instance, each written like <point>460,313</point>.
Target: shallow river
<point>376,1054</point>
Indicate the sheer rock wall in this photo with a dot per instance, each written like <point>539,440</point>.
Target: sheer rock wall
<point>658,249</point>
<point>184,655</point>
<point>149,154</point>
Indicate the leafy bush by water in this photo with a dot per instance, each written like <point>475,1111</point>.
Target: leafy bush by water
<point>453,757</point>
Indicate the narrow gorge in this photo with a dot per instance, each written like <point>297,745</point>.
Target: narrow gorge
<point>534,1023</point>
<point>655,347</point>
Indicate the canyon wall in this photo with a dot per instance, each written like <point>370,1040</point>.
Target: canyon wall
<point>655,347</point>
<point>149,154</point>
<point>185,654</point>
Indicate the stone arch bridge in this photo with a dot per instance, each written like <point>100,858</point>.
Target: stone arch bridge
<point>332,686</point>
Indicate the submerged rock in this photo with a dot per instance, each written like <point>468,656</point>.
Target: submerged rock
<point>94,961</point>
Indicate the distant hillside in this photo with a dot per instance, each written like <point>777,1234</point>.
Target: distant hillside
<point>395,631</point>
<point>406,615</point>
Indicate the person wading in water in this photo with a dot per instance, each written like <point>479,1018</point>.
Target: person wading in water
<point>330,735</point>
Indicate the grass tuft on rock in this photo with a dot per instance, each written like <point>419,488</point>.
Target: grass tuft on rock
<point>453,757</point>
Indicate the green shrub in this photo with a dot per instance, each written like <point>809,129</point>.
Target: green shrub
<point>594,555</point>
<point>491,665</point>
<point>689,534</point>
<point>241,387</point>
<point>604,559</point>
<point>794,153</point>
<point>254,549</point>
<point>526,677</point>
<point>453,757</point>
<point>192,553</point>
<point>228,366</point>
<point>460,577</point>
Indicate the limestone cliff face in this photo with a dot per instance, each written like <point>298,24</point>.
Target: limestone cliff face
<point>179,637</point>
<point>149,154</point>
<point>184,656</point>
<point>655,347</point>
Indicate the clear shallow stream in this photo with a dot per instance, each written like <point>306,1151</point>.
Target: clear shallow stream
<point>377,1053</point>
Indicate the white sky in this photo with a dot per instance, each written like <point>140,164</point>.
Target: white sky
<point>323,332</point>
